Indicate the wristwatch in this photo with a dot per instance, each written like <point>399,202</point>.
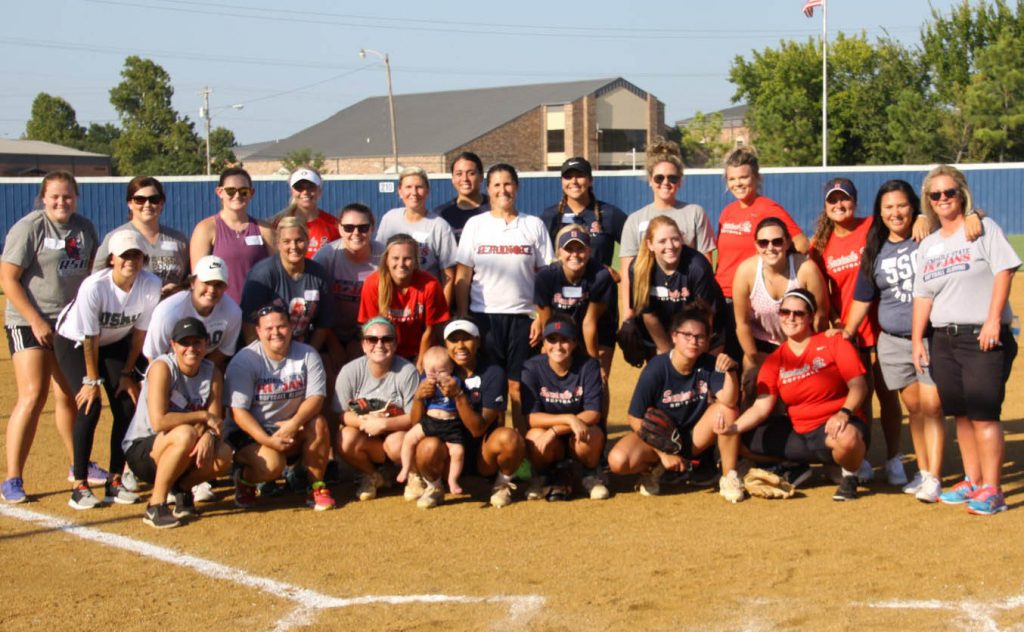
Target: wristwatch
<point>844,409</point>
<point>87,382</point>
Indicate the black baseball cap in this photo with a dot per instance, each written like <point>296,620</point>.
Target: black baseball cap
<point>577,164</point>
<point>189,328</point>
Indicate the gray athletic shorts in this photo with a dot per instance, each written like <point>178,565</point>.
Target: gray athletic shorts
<point>895,356</point>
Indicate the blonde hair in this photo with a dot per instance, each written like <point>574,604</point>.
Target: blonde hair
<point>745,156</point>
<point>664,150</point>
<point>292,222</point>
<point>644,262</point>
<point>409,172</point>
<point>966,199</point>
<point>385,284</point>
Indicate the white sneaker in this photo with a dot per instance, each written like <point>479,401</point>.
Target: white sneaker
<point>538,487</point>
<point>203,493</point>
<point>414,487</point>
<point>731,487</point>
<point>128,480</point>
<point>433,495</point>
<point>894,472</point>
<point>650,482</point>
<point>864,473</point>
<point>930,490</point>
<point>501,493</point>
<point>914,485</point>
<point>369,484</point>
<point>595,487</point>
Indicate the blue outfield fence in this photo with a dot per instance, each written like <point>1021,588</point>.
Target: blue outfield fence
<point>997,188</point>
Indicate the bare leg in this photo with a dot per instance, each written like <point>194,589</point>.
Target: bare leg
<point>409,442</point>
<point>968,449</point>
<point>64,409</point>
<point>170,452</point>
<point>457,458</point>
<point>990,445</point>
<point>890,413</point>
<point>32,379</point>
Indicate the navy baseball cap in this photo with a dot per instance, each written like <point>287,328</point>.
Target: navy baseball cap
<point>565,328</point>
<point>189,328</point>
<point>841,184</point>
<point>574,235</point>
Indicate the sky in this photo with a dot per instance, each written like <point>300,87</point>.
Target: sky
<point>293,67</point>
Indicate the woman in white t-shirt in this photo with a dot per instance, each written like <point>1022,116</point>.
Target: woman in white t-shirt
<point>99,343</point>
<point>500,253</point>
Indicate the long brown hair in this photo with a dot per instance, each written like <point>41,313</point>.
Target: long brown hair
<point>385,284</point>
<point>644,262</point>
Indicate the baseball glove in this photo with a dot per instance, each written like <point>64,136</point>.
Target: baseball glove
<point>660,432</point>
<point>763,484</point>
<point>631,342</point>
<point>367,406</point>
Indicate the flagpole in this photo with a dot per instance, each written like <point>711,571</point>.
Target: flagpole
<point>824,83</point>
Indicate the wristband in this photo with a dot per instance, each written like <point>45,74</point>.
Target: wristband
<point>844,409</point>
<point>88,382</point>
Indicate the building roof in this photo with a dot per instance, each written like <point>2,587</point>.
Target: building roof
<point>433,122</point>
<point>731,116</point>
<point>242,152</point>
<point>40,148</point>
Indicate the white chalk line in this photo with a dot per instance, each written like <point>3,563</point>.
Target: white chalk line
<point>976,615</point>
<point>520,607</point>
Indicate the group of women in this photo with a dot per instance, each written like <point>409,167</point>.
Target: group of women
<point>771,355</point>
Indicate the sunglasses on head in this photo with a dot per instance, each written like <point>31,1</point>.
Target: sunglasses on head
<point>935,196</point>
<point>795,313</point>
<point>351,228</point>
<point>778,242</point>
<point>269,309</point>
<point>373,340</point>
<point>672,179</point>
<point>242,192</point>
<point>152,199</point>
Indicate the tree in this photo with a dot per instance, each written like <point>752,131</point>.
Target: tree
<point>54,121</point>
<point>303,157</point>
<point>222,142</point>
<point>701,140</point>
<point>99,138</point>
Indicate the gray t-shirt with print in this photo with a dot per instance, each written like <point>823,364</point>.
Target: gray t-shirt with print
<point>187,394</point>
<point>272,390</point>
<point>434,235</point>
<point>397,386</point>
<point>168,257</point>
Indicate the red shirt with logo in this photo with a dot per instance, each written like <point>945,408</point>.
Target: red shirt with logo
<point>812,384</point>
<point>422,305</point>
<point>736,228</point>
<point>840,264</point>
<point>323,229</point>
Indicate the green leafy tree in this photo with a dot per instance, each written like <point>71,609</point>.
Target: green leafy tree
<point>701,140</point>
<point>54,121</point>
<point>222,144</point>
<point>99,138</point>
<point>303,157</point>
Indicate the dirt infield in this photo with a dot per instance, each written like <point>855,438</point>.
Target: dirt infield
<point>686,560</point>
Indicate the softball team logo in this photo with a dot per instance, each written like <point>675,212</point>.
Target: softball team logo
<point>71,247</point>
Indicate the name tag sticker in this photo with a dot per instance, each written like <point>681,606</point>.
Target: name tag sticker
<point>572,291</point>
<point>254,240</point>
<point>363,274</point>
<point>568,218</point>
<point>312,295</point>
<point>473,382</point>
<point>168,245</point>
<point>53,243</point>
<point>659,291</point>
<point>178,399</point>
<point>420,236</point>
<point>642,227</point>
<point>936,250</point>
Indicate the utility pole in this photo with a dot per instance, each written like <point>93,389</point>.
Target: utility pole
<point>204,113</point>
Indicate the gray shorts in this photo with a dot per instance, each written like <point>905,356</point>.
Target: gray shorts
<point>895,357</point>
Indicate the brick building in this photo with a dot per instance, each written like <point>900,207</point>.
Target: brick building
<point>534,127</point>
<point>734,126</point>
<point>21,158</point>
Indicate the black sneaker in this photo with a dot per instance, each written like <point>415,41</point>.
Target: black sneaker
<point>796,475</point>
<point>561,484</point>
<point>184,505</point>
<point>159,517</point>
<point>706,472</point>
<point>847,489</point>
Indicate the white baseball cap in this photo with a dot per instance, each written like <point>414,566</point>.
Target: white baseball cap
<point>461,325</point>
<point>211,268</point>
<point>305,174</point>
<point>124,240</point>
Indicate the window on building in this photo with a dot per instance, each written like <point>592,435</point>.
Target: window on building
<point>556,140</point>
<point>622,140</point>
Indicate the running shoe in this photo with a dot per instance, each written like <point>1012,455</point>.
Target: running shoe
<point>501,493</point>
<point>269,489</point>
<point>650,482</point>
<point>847,489</point>
<point>13,490</point>
<point>297,478</point>
<point>414,487</point>
<point>930,490</point>
<point>961,493</point>
<point>369,484</point>
<point>987,500</point>
<point>116,493</point>
<point>894,472</point>
<point>914,485</point>
<point>159,517</point>
<point>82,498</point>
<point>433,495</point>
<point>97,475</point>
<point>128,479</point>
<point>184,505</point>
<point>864,473</point>
<point>730,487</point>
<point>705,474</point>
<point>594,486</point>
<point>320,497</point>
<point>203,493</point>
<point>538,487</point>
<point>245,493</point>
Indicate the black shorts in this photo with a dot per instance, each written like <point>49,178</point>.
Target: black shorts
<point>505,339</point>
<point>137,456</point>
<point>474,448</point>
<point>971,382</point>
<point>448,431</point>
<point>764,346</point>
<point>726,322</point>
<point>776,437</point>
<point>239,439</point>
<point>21,338</point>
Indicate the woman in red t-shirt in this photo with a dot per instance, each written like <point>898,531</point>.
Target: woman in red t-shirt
<point>821,380</point>
<point>307,186</point>
<point>410,298</point>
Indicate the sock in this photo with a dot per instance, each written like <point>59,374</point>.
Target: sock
<point>847,472</point>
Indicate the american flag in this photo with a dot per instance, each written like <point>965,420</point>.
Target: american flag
<point>809,7</point>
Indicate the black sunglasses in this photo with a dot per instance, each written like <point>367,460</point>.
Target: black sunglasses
<point>935,196</point>
<point>778,242</point>
<point>796,313</point>
<point>152,199</point>
<point>672,179</point>
<point>373,340</point>
<point>242,192</point>
<point>351,228</point>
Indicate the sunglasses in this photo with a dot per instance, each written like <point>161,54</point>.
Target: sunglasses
<point>795,313</point>
<point>778,242</point>
<point>373,340</point>
<point>351,228</point>
<point>152,199</point>
<point>672,179</point>
<point>935,196</point>
<point>304,185</point>
<point>691,337</point>
<point>191,341</point>
<point>242,192</point>
<point>270,309</point>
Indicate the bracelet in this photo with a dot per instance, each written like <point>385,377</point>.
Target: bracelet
<point>212,433</point>
<point>88,382</point>
<point>844,409</point>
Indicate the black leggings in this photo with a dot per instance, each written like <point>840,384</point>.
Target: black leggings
<point>71,359</point>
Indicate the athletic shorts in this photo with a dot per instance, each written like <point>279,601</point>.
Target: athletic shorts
<point>506,340</point>
<point>21,338</point>
<point>137,456</point>
<point>728,325</point>
<point>474,448</point>
<point>448,431</point>
<point>764,346</point>
<point>972,382</point>
<point>895,357</point>
<point>776,437</point>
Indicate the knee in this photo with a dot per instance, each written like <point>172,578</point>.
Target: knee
<point>430,451</point>
<point>849,440</point>
<point>183,437</point>
<point>506,442</point>
<point>351,438</point>
<point>618,460</point>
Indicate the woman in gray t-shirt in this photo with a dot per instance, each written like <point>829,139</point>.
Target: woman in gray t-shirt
<point>46,257</point>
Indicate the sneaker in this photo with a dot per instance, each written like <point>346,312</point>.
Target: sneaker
<point>594,486</point>
<point>731,487</point>
<point>160,517</point>
<point>650,482</point>
<point>930,490</point>
<point>561,483</point>
<point>414,487</point>
<point>116,493</point>
<point>203,493</point>
<point>83,498</point>
<point>797,474</point>
<point>297,478</point>
<point>501,493</point>
<point>894,472</point>
<point>369,484</point>
<point>987,500</point>
<point>914,485</point>
<point>705,474</point>
<point>245,493</point>
<point>847,489</point>
<point>13,490</point>
<point>97,475</point>
<point>961,493</point>
<point>128,479</point>
<point>185,505</point>
<point>320,497</point>
<point>864,473</point>
<point>433,495</point>
<point>269,489</point>
<point>538,487</point>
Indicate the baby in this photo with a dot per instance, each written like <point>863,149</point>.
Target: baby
<point>437,417</point>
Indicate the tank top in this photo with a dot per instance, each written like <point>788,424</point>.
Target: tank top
<point>240,251</point>
<point>187,394</point>
<point>765,323</point>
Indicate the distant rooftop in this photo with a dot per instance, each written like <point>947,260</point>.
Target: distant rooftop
<point>41,148</point>
<point>731,117</point>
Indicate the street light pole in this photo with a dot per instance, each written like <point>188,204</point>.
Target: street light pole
<point>391,99</point>
<point>204,113</point>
